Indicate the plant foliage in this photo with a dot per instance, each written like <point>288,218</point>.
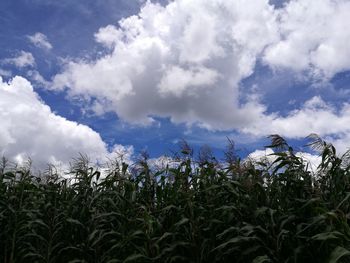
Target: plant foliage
<point>195,211</point>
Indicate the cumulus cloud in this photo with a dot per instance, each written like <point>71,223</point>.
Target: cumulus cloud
<point>163,162</point>
<point>312,161</point>
<point>314,37</point>
<point>40,40</point>
<point>186,61</point>
<point>24,59</point>
<point>267,156</point>
<point>108,36</point>
<point>176,80</point>
<point>315,116</point>
<point>262,156</point>
<point>122,154</point>
<point>162,63</point>
<point>30,129</point>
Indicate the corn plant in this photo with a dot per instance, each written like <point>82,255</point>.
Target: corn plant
<point>198,210</point>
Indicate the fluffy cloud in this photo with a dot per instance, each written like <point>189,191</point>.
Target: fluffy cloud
<point>315,116</point>
<point>341,142</point>
<point>30,129</point>
<point>312,161</point>
<point>24,59</point>
<point>176,80</point>
<point>314,37</point>
<point>162,63</point>
<point>266,156</point>
<point>162,162</point>
<point>186,61</point>
<point>40,40</point>
<point>262,155</point>
<point>108,36</point>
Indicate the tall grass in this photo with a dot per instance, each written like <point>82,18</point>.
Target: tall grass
<point>196,211</point>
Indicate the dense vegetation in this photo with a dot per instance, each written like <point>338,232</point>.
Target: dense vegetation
<point>196,210</point>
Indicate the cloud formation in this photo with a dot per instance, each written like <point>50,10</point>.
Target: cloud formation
<point>40,40</point>
<point>186,61</point>
<point>30,129</point>
<point>267,156</point>
<point>315,116</point>
<point>162,63</point>
<point>313,37</point>
<point>5,73</point>
<point>24,59</point>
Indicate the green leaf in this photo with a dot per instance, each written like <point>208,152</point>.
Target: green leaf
<point>135,258</point>
<point>261,259</point>
<point>182,222</point>
<point>344,200</point>
<point>338,253</point>
<point>74,221</point>
<point>327,236</point>
<point>235,240</point>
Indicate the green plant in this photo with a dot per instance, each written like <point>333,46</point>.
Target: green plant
<point>192,211</point>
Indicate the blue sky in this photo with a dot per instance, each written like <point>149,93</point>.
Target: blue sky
<point>136,75</point>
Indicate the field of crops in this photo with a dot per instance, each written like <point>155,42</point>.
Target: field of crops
<point>197,210</point>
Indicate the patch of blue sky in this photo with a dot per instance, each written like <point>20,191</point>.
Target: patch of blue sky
<point>280,91</point>
<point>69,26</point>
<point>278,3</point>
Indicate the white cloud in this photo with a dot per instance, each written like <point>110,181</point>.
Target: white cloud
<point>341,142</point>
<point>122,153</point>
<point>24,59</point>
<point>267,156</point>
<point>176,80</point>
<point>35,76</point>
<point>312,161</point>
<point>162,63</point>
<point>315,116</point>
<point>30,129</point>
<point>314,37</point>
<point>5,73</point>
<point>108,36</point>
<point>186,61</point>
<point>40,40</point>
<point>163,162</point>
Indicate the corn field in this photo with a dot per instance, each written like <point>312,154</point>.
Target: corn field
<point>199,210</point>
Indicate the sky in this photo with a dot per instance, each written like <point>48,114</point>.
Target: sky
<point>105,77</point>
